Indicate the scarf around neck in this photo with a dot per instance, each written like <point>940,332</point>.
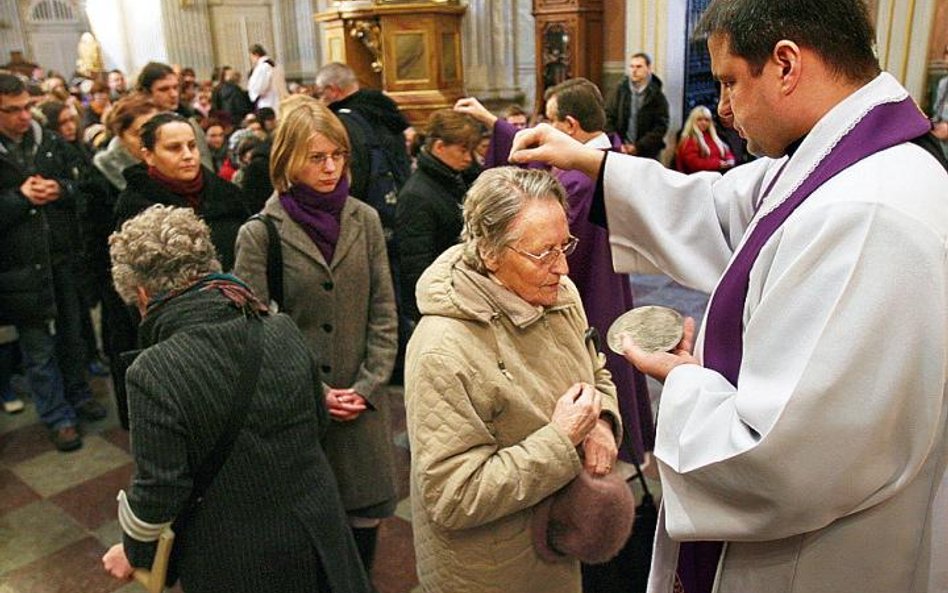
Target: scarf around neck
<point>319,213</point>
<point>189,190</point>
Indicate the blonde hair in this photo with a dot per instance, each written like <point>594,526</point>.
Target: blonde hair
<point>493,203</point>
<point>163,248</point>
<point>301,118</point>
<point>691,131</point>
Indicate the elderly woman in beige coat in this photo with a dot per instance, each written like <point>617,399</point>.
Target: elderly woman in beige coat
<point>503,392</point>
<point>338,288</point>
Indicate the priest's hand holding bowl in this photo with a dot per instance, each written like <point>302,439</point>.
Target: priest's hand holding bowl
<point>659,364</point>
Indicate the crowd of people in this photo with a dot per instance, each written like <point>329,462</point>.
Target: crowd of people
<point>267,261</point>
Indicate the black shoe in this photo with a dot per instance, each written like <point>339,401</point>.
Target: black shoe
<point>91,410</point>
<point>66,438</point>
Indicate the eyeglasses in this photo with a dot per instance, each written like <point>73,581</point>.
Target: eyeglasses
<point>550,256</point>
<point>320,158</point>
<point>15,109</point>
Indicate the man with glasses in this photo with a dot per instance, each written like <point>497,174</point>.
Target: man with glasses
<point>39,258</point>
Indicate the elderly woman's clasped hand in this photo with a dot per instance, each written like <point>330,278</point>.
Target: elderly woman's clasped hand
<point>577,414</point>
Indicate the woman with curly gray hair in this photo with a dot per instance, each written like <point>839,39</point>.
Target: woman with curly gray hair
<point>222,380</point>
<point>501,388</point>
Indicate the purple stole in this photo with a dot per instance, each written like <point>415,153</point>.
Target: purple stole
<point>884,126</point>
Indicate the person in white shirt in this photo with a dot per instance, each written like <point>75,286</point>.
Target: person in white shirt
<point>267,85</point>
<point>802,444</point>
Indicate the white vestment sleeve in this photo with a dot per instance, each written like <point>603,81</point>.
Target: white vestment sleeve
<point>687,226</point>
<point>841,384</point>
<point>259,80</point>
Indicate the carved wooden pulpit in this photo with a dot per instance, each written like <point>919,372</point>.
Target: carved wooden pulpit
<point>569,42</point>
<point>409,49</point>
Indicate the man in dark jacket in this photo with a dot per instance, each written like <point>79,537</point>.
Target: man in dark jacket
<point>638,110</point>
<point>39,259</point>
<point>337,86</point>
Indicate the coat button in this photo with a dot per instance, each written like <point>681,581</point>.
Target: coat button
<point>327,327</point>
<point>326,368</point>
<point>32,211</point>
<point>328,285</point>
<point>38,266</point>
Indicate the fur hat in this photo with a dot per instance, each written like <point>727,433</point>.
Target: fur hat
<point>589,519</point>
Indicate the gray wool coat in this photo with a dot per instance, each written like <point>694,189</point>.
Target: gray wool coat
<point>346,312</point>
<point>272,514</point>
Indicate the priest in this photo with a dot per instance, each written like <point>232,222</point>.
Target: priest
<point>802,441</point>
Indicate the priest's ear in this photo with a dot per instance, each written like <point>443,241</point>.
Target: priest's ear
<point>787,56</point>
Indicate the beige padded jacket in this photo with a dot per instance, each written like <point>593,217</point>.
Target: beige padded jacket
<point>483,373</point>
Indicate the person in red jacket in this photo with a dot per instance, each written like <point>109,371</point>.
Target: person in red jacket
<point>700,148</point>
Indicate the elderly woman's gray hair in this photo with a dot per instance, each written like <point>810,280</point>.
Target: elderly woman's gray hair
<point>164,248</point>
<point>493,203</point>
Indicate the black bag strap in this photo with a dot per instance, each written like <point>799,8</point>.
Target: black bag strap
<point>274,259</point>
<point>246,386</point>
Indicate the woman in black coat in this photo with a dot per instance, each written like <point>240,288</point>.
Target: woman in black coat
<point>271,518</point>
<point>171,174</point>
<point>429,206</point>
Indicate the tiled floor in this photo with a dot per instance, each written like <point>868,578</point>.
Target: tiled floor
<point>57,511</point>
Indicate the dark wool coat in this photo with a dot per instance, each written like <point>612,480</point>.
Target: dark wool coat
<point>429,221</point>
<point>651,122</point>
<point>272,515</point>
<point>223,206</point>
<point>33,238</point>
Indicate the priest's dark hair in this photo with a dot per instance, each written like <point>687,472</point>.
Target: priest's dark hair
<point>840,31</point>
<point>580,99</point>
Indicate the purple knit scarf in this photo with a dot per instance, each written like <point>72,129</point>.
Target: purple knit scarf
<point>884,126</point>
<point>318,213</point>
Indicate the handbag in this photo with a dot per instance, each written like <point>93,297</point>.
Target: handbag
<point>164,572</point>
<point>628,571</point>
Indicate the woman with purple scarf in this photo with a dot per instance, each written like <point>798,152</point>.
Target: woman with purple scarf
<point>338,289</point>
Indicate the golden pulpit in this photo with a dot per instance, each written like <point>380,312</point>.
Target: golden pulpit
<point>409,49</point>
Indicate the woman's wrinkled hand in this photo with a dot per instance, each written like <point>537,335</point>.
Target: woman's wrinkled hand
<point>577,411</point>
<point>658,364</point>
<point>116,563</point>
<point>600,449</point>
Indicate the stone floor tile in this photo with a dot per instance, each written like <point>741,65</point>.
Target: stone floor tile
<point>53,472</point>
<point>92,502</point>
<point>13,492</point>
<point>33,532</point>
<point>394,570</point>
<point>76,567</point>
<point>10,422</point>
<point>109,533</point>
<point>118,436</point>
<point>24,443</point>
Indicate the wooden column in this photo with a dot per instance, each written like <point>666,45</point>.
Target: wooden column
<point>569,42</point>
